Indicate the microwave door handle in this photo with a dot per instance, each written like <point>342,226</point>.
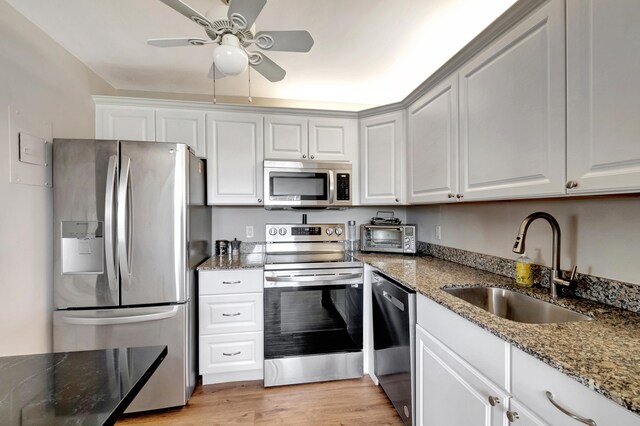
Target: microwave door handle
<point>332,185</point>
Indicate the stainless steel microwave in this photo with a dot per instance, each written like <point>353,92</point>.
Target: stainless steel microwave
<point>388,238</point>
<point>306,184</point>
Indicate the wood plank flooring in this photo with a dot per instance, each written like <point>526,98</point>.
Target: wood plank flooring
<point>343,402</point>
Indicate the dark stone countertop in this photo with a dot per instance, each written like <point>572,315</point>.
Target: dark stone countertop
<point>74,388</point>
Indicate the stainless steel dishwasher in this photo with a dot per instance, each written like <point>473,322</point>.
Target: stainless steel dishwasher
<point>394,321</point>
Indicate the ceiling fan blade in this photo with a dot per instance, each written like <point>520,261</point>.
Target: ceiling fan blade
<point>284,41</point>
<point>219,73</point>
<point>183,8</point>
<point>177,42</point>
<point>269,69</point>
<point>243,13</point>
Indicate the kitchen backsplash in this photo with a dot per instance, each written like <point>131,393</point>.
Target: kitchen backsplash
<point>611,292</point>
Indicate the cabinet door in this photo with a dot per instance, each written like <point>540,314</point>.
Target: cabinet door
<point>512,112</point>
<point>182,126</point>
<point>432,153</point>
<point>522,416</point>
<point>333,139</point>
<point>133,124</point>
<point>381,165</point>
<point>235,150</point>
<point>286,138</point>
<point>449,392</point>
<point>603,99</point>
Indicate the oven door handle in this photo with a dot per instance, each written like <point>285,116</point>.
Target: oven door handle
<point>312,278</point>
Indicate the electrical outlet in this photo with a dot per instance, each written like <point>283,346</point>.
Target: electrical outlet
<point>249,231</point>
<point>438,233</point>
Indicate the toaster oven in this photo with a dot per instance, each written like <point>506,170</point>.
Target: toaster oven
<point>388,238</point>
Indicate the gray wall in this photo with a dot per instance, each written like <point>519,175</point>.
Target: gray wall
<point>230,222</point>
<point>601,235</point>
<point>47,85</point>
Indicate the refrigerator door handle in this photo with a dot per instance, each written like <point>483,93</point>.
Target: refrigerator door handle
<point>127,319</point>
<point>111,259</point>
<point>125,224</point>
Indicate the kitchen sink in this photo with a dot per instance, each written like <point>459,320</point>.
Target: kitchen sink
<point>515,306</point>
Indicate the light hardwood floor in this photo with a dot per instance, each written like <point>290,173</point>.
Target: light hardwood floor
<point>343,402</point>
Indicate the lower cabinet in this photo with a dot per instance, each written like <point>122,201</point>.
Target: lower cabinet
<point>230,318</point>
<point>457,382</point>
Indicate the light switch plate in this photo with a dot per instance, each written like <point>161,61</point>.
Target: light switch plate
<point>34,171</point>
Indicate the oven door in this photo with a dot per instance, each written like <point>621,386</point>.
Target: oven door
<point>312,312</point>
<point>383,238</point>
<point>298,187</point>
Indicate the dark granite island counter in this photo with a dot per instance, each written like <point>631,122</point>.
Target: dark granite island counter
<point>74,388</point>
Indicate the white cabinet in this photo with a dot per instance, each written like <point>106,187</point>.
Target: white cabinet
<point>512,112</point>
<point>450,392</point>
<point>234,151</point>
<point>302,138</point>
<point>432,146</point>
<point>231,341</point>
<point>125,123</point>
<point>182,126</point>
<point>382,159</point>
<point>603,99</point>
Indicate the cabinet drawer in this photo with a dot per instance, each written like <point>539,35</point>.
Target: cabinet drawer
<point>224,353</point>
<point>229,282</point>
<point>230,313</point>
<point>484,351</point>
<point>533,378</point>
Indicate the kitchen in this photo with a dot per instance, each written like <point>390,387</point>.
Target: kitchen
<point>51,88</point>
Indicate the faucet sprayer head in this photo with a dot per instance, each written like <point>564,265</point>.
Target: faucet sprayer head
<point>518,247</point>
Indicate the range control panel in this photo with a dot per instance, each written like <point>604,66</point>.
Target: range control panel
<point>286,232</point>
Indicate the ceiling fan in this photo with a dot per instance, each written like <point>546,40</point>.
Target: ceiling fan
<point>233,34</point>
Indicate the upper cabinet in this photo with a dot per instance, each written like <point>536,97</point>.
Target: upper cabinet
<point>235,154</point>
<point>125,123</point>
<point>512,112</point>
<point>382,159</point>
<point>432,147</point>
<point>301,138</point>
<point>182,126</point>
<point>603,100</point>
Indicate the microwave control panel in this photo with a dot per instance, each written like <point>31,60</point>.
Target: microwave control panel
<point>342,187</point>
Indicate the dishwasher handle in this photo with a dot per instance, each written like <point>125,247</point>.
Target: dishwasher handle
<point>394,301</point>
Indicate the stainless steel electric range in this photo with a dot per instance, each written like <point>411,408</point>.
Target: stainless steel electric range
<point>312,305</point>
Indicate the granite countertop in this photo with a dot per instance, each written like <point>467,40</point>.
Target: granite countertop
<point>241,261</point>
<point>603,354</point>
<point>72,388</point>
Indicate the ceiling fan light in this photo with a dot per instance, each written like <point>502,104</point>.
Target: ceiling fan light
<point>229,57</point>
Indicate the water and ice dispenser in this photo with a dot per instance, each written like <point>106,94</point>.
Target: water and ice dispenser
<point>82,247</point>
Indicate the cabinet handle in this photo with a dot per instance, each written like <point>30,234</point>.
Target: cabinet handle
<point>571,184</point>
<point>313,156</point>
<point>259,200</point>
<point>450,196</point>
<point>397,201</point>
<point>235,314</point>
<point>231,354</point>
<point>231,282</point>
<point>304,155</point>
<point>494,400</point>
<point>458,196</point>
<point>569,413</point>
<point>512,416</point>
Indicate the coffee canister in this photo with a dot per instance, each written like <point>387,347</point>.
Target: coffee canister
<point>222,247</point>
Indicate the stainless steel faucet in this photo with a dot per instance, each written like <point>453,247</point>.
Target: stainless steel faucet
<point>557,279</point>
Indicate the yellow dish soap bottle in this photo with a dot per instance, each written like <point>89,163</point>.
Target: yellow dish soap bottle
<point>524,271</point>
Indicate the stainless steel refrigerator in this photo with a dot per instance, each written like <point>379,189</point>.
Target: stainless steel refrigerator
<point>130,226</point>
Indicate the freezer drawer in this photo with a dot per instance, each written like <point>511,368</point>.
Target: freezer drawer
<point>172,384</point>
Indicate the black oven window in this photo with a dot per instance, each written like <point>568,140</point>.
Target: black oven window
<point>313,320</point>
<point>302,186</point>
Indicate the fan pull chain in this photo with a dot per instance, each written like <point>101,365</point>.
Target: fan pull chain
<point>213,69</point>
<point>249,73</point>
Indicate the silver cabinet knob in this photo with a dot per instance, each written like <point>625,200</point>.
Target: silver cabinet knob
<point>494,400</point>
<point>458,196</point>
<point>450,195</point>
<point>397,201</point>
<point>571,184</point>
<point>512,416</point>
<point>304,155</point>
<point>259,200</point>
<point>312,157</point>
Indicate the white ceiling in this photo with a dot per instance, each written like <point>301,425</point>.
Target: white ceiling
<point>366,52</point>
